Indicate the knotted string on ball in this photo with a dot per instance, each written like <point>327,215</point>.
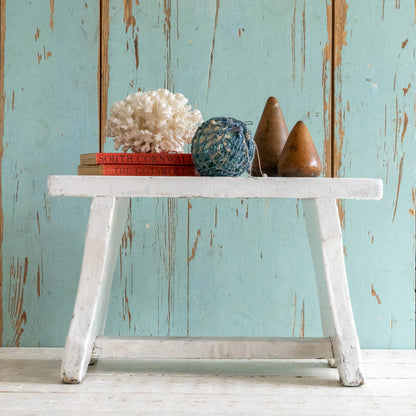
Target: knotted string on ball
<point>222,146</point>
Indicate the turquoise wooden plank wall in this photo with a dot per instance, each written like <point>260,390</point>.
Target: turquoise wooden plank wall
<point>347,68</point>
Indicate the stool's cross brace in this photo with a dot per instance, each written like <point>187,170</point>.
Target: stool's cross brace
<point>107,218</point>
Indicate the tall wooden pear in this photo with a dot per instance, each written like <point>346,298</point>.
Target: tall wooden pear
<point>299,156</point>
<point>270,138</point>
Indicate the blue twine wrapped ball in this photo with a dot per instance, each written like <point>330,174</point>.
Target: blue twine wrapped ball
<point>222,146</point>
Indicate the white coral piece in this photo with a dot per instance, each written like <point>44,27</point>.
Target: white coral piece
<point>154,121</point>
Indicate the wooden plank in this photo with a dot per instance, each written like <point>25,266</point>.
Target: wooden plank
<point>374,114</point>
<point>50,117</point>
<point>384,377</point>
<point>215,348</point>
<point>2,112</point>
<point>189,404</point>
<point>205,187</point>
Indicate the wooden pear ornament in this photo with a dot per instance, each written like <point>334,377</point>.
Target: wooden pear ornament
<point>270,138</point>
<point>299,156</point>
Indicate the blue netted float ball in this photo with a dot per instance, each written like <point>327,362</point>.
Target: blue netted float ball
<point>222,146</point>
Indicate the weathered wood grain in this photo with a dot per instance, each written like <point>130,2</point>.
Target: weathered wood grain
<point>50,116</point>
<point>374,119</point>
<point>344,67</point>
<point>2,103</point>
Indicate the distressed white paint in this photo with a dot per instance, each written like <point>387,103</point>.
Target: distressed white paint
<point>325,239</point>
<point>215,187</point>
<point>107,217</point>
<point>212,348</point>
<point>105,227</point>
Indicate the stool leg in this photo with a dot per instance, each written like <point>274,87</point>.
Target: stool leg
<point>105,227</point>
<point>325,240</point>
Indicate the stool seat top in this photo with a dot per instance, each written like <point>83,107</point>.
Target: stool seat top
<point>214,187</point>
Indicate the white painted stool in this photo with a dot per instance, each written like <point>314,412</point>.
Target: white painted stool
<point>108,215</point>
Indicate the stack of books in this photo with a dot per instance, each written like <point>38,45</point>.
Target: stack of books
<point>137,164</point>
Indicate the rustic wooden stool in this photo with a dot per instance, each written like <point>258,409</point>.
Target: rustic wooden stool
<point>108,215</point>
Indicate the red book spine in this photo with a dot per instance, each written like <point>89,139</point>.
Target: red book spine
<point>138,158</point>
<point>148,170</point>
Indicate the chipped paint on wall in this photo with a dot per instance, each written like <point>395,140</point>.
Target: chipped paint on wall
<point>327,92</point>
<point>340,34</point>
<point>195,246</point>
<point>373,293</point>
<point>303,46</point>
<point>129,18</point>
<point>39,277</point>
<point>217,8</point>
<point>136,51</point>
<point>103,72</point>
<point>311,33</point>
<point>293,39</point>
<point>52,8</point>
<point>398,187</point>
<point>18,316</point>
<point>167,7</point>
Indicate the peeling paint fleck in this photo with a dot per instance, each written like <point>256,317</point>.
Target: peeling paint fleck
<point>303,47</point>
<point>406,90</point>
<point>129,19</point>
<point>341,212</point>
<point>340,35</point>
<point>216,216</point>
<point>136,51</point>
<point>213,45</point>
<point>103,72</point>
<point>398,187</point>
<point>195,246</point>
<point>167,28</point>
<point>52,7</point>
<point>39,277</point>
<point>302,326</point>
<point>373,293</point>
<point>293,38</point>
<point>37,218</point>
<point>126,307</point>
<point>294,316</point>
<point>404,43</point>
<point>405,122</point>
<point>37,34</point>
<point>327,100</point>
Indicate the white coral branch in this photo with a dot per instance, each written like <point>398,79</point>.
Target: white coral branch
<point>154,121</point>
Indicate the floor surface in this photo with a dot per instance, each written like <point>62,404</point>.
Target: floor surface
<point>30,385</point>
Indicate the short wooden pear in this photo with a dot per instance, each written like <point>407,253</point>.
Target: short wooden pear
<point>270,138</point>
<point>299,156</point>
